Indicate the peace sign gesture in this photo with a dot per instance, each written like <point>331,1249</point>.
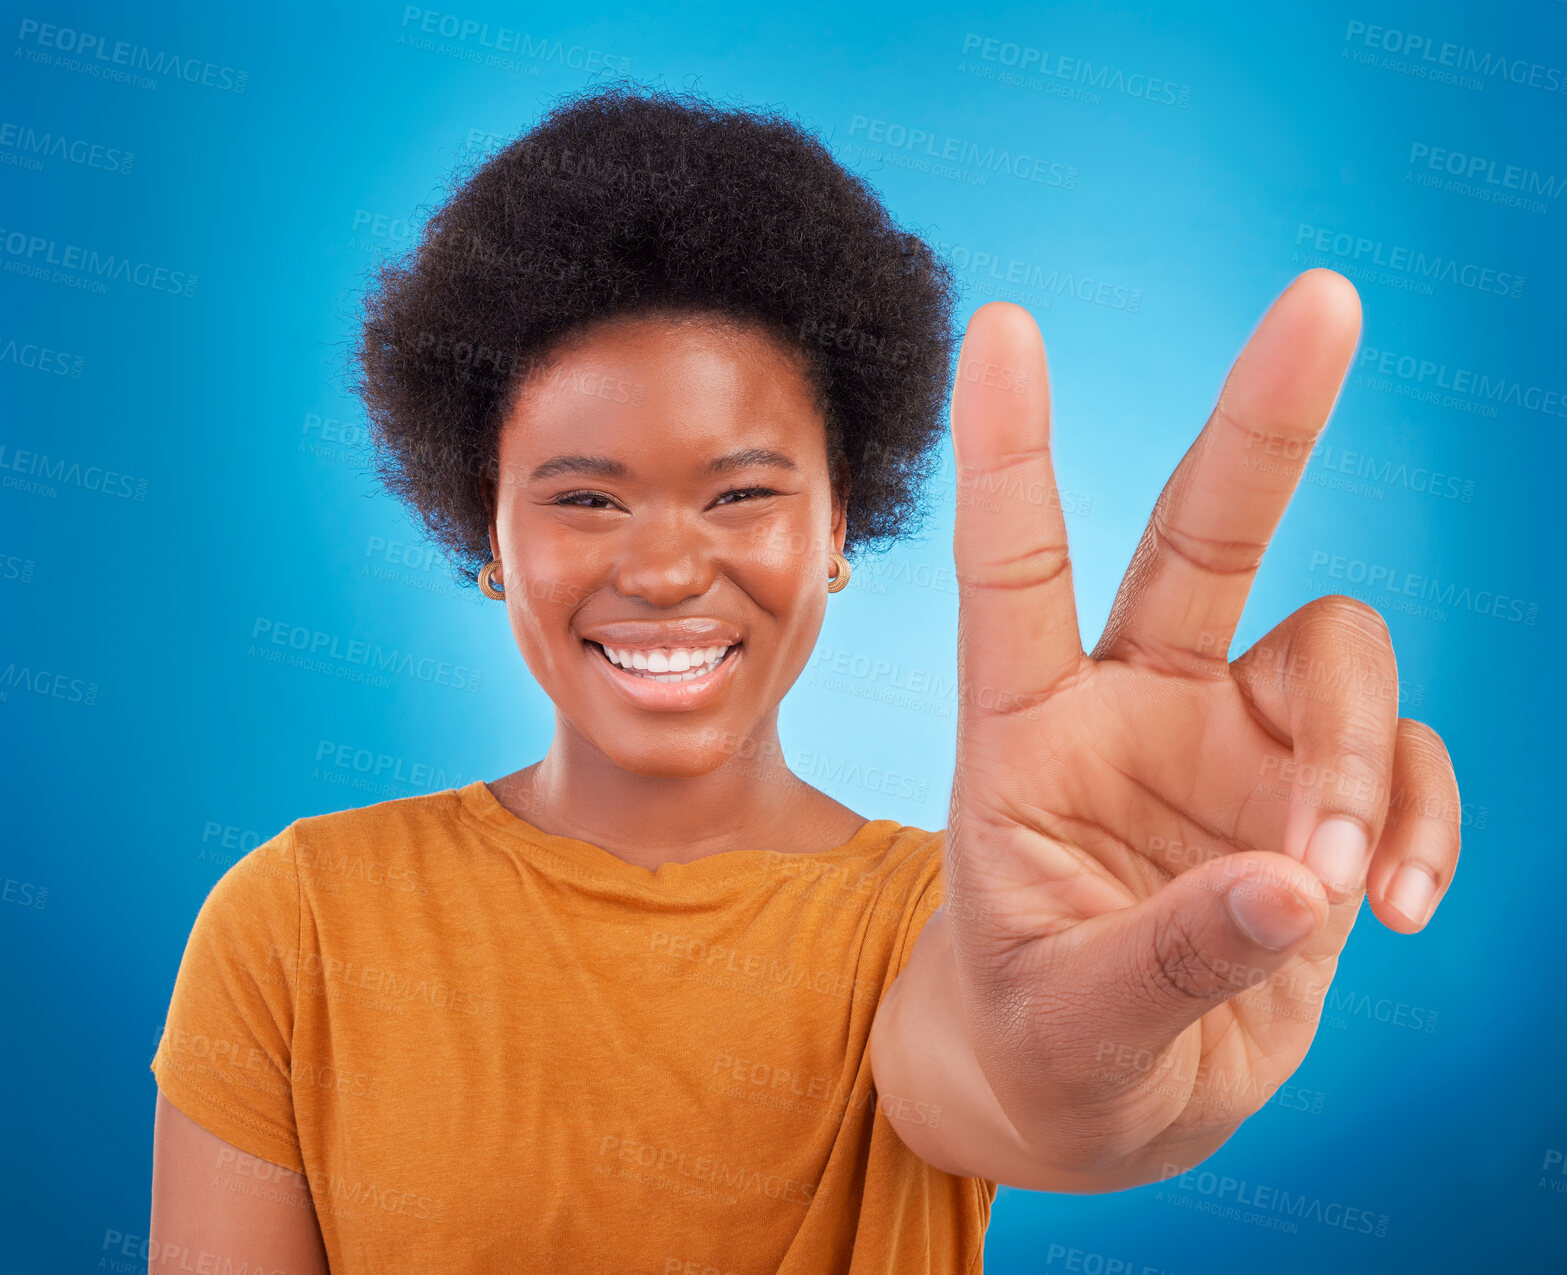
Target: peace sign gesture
<point>1155,855</point>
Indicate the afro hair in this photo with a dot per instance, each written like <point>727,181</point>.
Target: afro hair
<point>624,201</point>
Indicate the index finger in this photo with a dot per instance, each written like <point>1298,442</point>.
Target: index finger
<point>1188,581</point>
<point>1017,622</point>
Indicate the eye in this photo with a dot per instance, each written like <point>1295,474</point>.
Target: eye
<point>748,491</point>
<point>579,499</point>
<point>573,499</point>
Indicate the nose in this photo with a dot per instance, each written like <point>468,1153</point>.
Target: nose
<point>664,559</point>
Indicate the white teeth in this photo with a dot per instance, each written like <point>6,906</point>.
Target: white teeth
<point>668,664</point>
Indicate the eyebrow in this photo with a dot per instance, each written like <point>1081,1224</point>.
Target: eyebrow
<point>606,467</point>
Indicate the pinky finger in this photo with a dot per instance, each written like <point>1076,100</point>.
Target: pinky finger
<point>1417,853</point>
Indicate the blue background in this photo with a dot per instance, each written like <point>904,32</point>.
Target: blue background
<point>249,501</point>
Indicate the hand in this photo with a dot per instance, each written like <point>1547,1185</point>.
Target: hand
<point>1155,855</point>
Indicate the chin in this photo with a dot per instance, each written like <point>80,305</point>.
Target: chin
<point>664,759</point>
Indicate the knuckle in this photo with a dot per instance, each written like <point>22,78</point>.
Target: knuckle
<point>1207,554</point>
<point>1038,565</point>
<point>1355,781</point>
<point>1427,749</point>
<point>1174,660</point>
<point>1256,427</point>
<point>1427,786</point>
<point>1034,567</point>
<point>1337,612</point>
<point>1451,847</point>
<point>1180,969</point>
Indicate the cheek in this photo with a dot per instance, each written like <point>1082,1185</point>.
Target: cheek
<point>780,567</point>
<point>547,561</point>
<point>787,551</point>
<point>545,586</point>
<point>536,630</point>
<point>550,584</point>
<point>787,579</point>
<point>772,565</point>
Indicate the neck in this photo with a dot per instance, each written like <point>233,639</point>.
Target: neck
<point>750,801</point>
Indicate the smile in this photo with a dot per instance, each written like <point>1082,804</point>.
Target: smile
<point>668,679</point>
<point>665,664</point>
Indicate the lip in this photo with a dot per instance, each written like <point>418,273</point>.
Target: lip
<point>669,697</point>
<point>691,630</point>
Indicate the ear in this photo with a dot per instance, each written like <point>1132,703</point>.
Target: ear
<point>491,505</point>
<point>840,506</point>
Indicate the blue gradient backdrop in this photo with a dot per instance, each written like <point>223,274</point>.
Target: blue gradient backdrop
<point>206,475</point>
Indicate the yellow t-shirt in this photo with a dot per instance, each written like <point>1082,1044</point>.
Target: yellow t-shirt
<point>492,1048</point>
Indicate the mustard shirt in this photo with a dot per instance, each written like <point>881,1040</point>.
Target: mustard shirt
<point>490,1048</point>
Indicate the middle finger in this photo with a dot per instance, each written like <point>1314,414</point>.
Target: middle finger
<point>1183,594</point>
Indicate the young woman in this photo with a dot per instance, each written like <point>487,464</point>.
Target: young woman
<point>652,1003</point>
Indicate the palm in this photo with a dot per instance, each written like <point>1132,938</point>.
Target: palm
<point>1102,804</point>
<point>1149,776</point>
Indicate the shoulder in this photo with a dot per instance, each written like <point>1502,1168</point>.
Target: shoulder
<point>394,844</point>
<point>914,887</point>
<point>915,852</point>
<point>398,843</point>
<point>380,822</point>
<point>909,868</point>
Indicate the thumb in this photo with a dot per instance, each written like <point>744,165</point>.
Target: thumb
<point>1155,968</point>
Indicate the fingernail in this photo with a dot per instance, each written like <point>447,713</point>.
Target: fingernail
<point>1264,921</point>
<point>1413,891</point>
<point>1337,852</point>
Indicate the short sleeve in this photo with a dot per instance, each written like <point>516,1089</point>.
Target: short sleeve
<point>226,1052</point>
<point>927,891</point>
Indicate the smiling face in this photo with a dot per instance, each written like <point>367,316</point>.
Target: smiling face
<point>664,488</point>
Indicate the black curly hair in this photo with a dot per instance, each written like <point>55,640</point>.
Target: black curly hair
<point>626,201</point>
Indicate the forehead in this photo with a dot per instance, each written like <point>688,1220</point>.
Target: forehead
<point>696,374</point>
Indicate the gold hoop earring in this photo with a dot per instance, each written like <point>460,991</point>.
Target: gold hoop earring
<point>487,582</point>
<point>839,580</point>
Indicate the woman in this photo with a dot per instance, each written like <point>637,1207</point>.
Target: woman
<point>652,1003</point>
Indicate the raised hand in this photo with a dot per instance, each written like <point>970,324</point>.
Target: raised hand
<point>1155,855</point>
